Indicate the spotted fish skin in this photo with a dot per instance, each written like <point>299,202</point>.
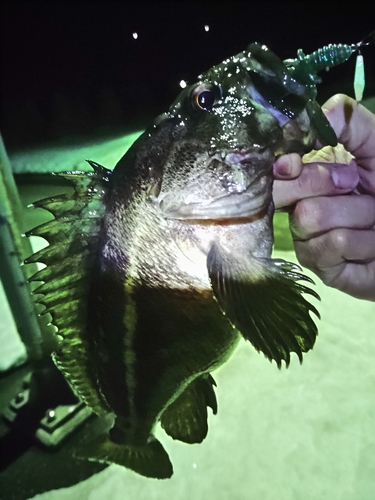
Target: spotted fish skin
<point>157,269</point>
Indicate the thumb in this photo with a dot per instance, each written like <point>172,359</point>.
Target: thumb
<point>355,128</point>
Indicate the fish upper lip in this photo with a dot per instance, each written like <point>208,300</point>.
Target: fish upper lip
<point>236,157</point>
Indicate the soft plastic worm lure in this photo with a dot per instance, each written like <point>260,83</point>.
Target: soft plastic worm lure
<point>305,67</point>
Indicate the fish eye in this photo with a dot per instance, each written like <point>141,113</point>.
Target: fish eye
<point>204,97</point>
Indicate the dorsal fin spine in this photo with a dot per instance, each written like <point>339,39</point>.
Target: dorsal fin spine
<point>73,236</point>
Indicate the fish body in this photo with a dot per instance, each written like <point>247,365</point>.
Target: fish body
<point>157,269</point>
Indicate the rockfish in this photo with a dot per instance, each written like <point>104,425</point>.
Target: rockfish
<point>156,269</point>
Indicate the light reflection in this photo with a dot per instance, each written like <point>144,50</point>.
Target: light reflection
<point>206,27</point>
<point>135,35</point>
<point>183,84</point>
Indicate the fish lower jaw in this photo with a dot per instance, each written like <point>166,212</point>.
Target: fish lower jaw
<point>233,207</point>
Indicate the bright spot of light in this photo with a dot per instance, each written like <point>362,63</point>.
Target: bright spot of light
<point>194,466</point>
<point>182,84</point>
<point>206,27</point>
<point>135,35</point>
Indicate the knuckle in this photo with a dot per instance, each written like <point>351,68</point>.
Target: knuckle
<point>337,240</point>
<point>316,179</point>
<point>303,255</point>
<point>305,218</point>
<point>322,252</point>
<point>307,253</point>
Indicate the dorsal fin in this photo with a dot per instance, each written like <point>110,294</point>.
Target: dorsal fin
<point>70,258</point>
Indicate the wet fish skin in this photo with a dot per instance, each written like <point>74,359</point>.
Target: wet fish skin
<point>171,263</point>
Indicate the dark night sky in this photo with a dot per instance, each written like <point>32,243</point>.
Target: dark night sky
<point>82,59</point>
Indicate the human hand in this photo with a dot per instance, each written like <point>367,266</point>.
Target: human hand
<point>332,204</point>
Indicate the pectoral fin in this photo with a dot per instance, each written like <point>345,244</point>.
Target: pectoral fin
<point>263,299</point>
<point>186,418</point>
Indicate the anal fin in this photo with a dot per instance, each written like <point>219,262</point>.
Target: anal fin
<point>186,418</point>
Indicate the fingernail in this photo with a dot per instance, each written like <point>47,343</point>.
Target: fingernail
<point>345,176</point>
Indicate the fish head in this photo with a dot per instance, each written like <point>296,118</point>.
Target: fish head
<point>225,132</point>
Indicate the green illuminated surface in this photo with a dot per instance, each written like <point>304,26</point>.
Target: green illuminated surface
<point>60,158</point>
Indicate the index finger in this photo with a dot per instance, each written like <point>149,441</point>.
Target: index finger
<point>316,179</point>
<point>355,128</point>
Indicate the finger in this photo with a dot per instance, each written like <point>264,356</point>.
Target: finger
<point>287,166</point>
<point>316,179</point>
<point>343,259</point>
<point>357,280</point>
<point>314,216</point>
<point>336,247</point>
<point>354,126</point>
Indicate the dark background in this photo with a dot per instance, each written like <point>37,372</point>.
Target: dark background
<point>73,70</point>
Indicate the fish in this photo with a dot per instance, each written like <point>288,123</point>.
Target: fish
<point>156,269</point>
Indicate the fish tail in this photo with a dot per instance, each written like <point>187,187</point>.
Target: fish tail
<point>150,459</point>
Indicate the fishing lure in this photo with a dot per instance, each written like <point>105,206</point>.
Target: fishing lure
<point>289,86</point>
<point>305,68</point>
